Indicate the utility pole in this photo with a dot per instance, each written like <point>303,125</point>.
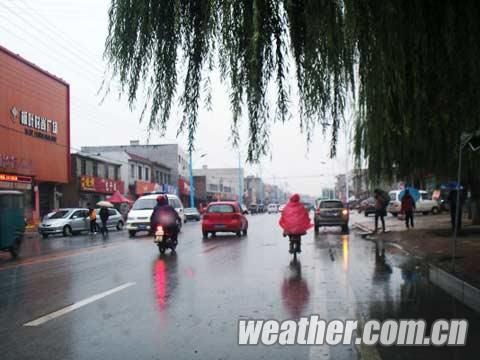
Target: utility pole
<point>240,179</point>
<point>192,187</point>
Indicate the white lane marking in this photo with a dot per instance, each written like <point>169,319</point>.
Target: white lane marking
<point>77,305</point>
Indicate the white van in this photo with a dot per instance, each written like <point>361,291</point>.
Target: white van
<point>424,205</point>
<point>139,216</point>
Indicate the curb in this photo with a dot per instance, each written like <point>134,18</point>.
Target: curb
<point>459,289</point>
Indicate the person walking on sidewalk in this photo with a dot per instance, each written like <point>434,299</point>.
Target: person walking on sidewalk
<point>380,209</point>
<point>92,215</point>
<point>408,208</point>
<point>104,214</point>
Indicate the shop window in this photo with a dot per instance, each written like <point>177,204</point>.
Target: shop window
<point>115,171</point>
<point>147,173</point>
<point>157,176</point>
<point>139,172</point>
<point>83,167</point>
<point>132,171</point>
<point>95,168</point>
<point>107,173</point>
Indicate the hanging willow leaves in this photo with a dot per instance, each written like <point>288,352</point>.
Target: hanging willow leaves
<point>254,40</point>
<point>416,61</point>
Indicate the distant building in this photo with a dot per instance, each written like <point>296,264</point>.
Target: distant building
<point>253,190</point>
<point>166,156</point>
<point>94,178</point>
<point>328,193</point>
<point>219,183</point>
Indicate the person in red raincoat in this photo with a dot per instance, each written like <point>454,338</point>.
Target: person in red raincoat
<point>295,219</point>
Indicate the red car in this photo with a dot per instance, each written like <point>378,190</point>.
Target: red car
<point>224,216</point>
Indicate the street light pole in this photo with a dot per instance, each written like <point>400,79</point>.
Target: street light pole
<point>240,179</point>
<point>192,186</point>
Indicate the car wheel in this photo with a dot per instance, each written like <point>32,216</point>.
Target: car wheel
<point>214,234</point>
<point>317,229</point>
<point>435,210</point>
<point>132,233</point>
<point>44,236</point>
<point>245,232</point>
<point>120,226</point>
<point>366,214</point>
<point>15,248</point>
<point>205,234</point>
<point>67,231</point>
<point>345,229</point>
<point>238,233</point>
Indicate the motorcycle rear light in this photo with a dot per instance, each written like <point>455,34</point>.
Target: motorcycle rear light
<point>159,228</point>
<point>345,212</point>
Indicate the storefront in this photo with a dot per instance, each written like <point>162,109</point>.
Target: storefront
<point>94,189</point>
<point>35,133</point>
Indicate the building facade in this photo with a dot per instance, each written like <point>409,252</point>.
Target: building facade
<point>253,190</point>
<point>220,183</point>
<point>35,135</point>
<point>169,157</point>
<point>93,179</point>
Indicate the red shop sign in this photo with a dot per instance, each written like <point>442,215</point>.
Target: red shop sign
<point>101,185</point>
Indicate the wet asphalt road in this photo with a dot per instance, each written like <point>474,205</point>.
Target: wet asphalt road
<point>186,306</point>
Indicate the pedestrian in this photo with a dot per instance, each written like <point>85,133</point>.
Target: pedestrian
<point>92,215</point>
<point>452,201</point>
<point>104,214</point>
<point>380,209</point>
<point>408,208</point>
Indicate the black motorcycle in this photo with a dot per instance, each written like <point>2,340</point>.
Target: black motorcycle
<point>165,238</point>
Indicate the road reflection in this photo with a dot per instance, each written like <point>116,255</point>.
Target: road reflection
<point>165,279</point>
<point>295,292</point>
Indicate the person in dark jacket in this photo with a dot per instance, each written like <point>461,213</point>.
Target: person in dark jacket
<point>452,201</point>
<point>380,209</point>
<point>165,215</point>
<point>408,208</point>
<point>104,214</point>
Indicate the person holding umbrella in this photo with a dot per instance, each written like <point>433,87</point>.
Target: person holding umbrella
<point>408,208</point>
<point>104,215</point>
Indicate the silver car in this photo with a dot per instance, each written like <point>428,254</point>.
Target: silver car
<point>115,219</point>
<point>65,221</point>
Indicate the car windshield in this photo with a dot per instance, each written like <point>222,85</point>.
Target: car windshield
<point>331,204</point>
<point>59,214</point>
<point>144,204</point>
<point>393,195</point>
<point>221,208</point>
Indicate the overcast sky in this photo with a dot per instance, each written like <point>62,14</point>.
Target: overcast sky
<point>66,38</point>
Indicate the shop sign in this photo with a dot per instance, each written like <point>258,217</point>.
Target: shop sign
<point>35,125</point>
<point>12,162</point>
<point>16,178</point>
<point>142,187</point>
<point>100,185</point>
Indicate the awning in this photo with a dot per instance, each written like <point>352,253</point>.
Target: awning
<point>118,198</point>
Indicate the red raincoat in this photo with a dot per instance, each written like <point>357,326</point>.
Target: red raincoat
<point>295,219</point>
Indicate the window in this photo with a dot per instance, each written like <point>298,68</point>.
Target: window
<point>213,187</point>
<point>83,166</point>
<point>157,177</point>
<point>107,174</point>
<point>140,172</point>
<point>132,171</point>
<point>146,173</point>
<point>424,196</point>
<point>115,172</point>
<point>227,189</point>
<point>112,212</point>
<point>95,169</point>
<point>221,209</point>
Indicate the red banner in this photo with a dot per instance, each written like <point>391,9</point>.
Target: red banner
<point>142,187</point>
<point>183,187</point>
<point>101,185</point>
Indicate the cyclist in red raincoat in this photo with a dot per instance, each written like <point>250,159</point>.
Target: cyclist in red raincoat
<point>295,219</point>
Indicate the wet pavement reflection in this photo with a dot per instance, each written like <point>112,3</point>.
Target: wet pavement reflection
<point>187,305</point>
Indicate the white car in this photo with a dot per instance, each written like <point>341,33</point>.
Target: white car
<point>423,205</point>
<point>139,216</point>
<point>281,207</point>
<point>272,208</point>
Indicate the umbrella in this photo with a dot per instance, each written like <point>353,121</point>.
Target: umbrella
<point>105,204</point>
<point>414,192</point>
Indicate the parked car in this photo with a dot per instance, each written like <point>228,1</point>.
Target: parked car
<point>224,216</point>
<point>331,213</point>
<point>261,208</point>
<point>253,208</point>
<point>139,216</point>
<point>367,206</point>
<point>66,221</point>
<point>424,205</point>
<point>244,209</point>
<point>272,208</point>
<point>115,219</point>
<point>192,214</point>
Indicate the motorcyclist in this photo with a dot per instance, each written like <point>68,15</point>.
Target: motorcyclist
<point>165,215</point>
<point>295,219</point>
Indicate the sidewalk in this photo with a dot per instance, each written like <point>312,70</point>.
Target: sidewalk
<point>432,240</point>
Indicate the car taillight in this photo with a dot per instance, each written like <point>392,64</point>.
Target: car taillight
<point>317,211</point>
